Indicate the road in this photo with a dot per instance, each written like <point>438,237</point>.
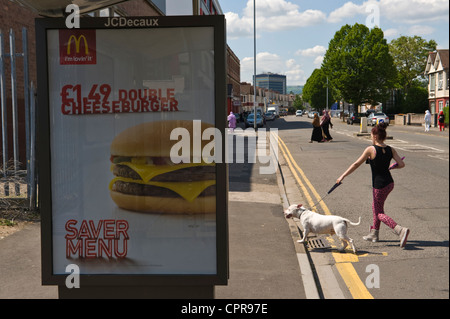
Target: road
<point>419,201</point>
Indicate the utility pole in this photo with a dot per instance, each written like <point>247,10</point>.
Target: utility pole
<point>254,64</point>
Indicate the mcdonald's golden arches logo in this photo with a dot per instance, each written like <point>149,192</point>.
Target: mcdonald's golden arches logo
<point>77,46</point>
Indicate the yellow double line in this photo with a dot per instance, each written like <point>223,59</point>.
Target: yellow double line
<point>343,261</point>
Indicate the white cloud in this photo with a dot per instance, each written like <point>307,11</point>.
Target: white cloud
<point>348,10</point>
<point>421,30</point>
<point>391,33</point>
<point>238,27</point>
<point>403,11</point>
<point>414,11</point>
<point>270,62</point>
<point>318,61</point>
<point>315,51</point>
<point>271,15</point>
<point>294,73</point>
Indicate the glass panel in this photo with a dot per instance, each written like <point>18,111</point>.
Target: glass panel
<point>132,191</point>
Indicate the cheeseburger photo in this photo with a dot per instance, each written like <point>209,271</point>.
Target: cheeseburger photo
<point>146,179</point>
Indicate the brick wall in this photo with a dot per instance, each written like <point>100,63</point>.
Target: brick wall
<point>137,8</point>
<point>233,72</point>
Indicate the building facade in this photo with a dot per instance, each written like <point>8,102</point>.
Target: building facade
<point>192,7</point>
<point>264,98</point>
<point>437,72</point>
<point>233,82</point>
<point>212,7</point>
<point>272,81</point>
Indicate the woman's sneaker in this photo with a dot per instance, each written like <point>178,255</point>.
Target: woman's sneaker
<point>403,233</point>
<point>373,236</point>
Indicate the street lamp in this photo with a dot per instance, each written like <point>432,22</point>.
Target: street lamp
<point>254,63</point>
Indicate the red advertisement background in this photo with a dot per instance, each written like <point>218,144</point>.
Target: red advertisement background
<point>77,46</point>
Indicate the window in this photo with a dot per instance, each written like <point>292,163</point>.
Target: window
<point>432,82</point>
<point>441,81</point>
<point>441,106</point>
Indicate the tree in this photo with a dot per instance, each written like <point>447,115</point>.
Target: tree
<point>298,102</point>
<point>315,90</point>
<point>410,57</point>
<point>359,65</point>
<point>416,101</point>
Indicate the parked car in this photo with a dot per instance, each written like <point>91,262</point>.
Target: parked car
<point>376,118</point>
<point>355,118</point>
<point>299,113</point>
<point>270,116</point>
<point>251,120</point>
<point>311,114</point>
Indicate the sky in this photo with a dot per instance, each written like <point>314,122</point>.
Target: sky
<point>292,36</point>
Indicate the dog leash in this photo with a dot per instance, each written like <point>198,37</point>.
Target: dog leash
<point>395,164</point>
<point>337,184</point>
<point>328,193</point>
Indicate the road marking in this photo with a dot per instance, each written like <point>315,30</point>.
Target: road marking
<point>313,190</point>
<point>443,157</point>
<point>353,282</point>
<point>404,145</point>
<point>343,261</point>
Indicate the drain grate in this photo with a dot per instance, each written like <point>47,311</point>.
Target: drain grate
<point>318,243</point>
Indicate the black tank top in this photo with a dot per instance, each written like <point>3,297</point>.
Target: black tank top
<point>381,176</point>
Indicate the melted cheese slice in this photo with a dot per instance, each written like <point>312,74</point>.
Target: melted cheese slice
<point>188,190</point>
<point>147,172</point>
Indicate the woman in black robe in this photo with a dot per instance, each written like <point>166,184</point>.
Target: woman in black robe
<point>317,130</point>
<point>325,122</point>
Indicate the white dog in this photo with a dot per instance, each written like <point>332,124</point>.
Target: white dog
<point>321,224</point>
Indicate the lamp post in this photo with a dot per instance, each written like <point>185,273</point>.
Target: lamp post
<point>254,64</point>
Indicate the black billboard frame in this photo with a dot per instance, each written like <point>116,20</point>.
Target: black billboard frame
<point>44,154</point>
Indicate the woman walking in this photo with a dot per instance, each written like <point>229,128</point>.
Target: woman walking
<point>441,121</point>
<point>317,130</point>
<point>379,156</point>
<point>427,120</point>
<point>231,122</point>
<point>325,122</point>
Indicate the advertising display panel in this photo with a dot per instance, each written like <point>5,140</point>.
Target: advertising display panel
<point>131,121</point>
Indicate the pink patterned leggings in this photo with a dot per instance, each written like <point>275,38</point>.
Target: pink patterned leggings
<point>379,197</point>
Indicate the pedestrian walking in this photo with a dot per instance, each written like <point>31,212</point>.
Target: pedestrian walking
<point>441,121</point>
<point>325,122</point>
<point>317,133</point>
<point>379,156</point>
<point>427,120</point>
<point>231,121</point>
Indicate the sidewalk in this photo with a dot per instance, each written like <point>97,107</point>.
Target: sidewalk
<point>416,129</point>
<point>264,259</point>
<point>263,255</point>
<point>420,129</point>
